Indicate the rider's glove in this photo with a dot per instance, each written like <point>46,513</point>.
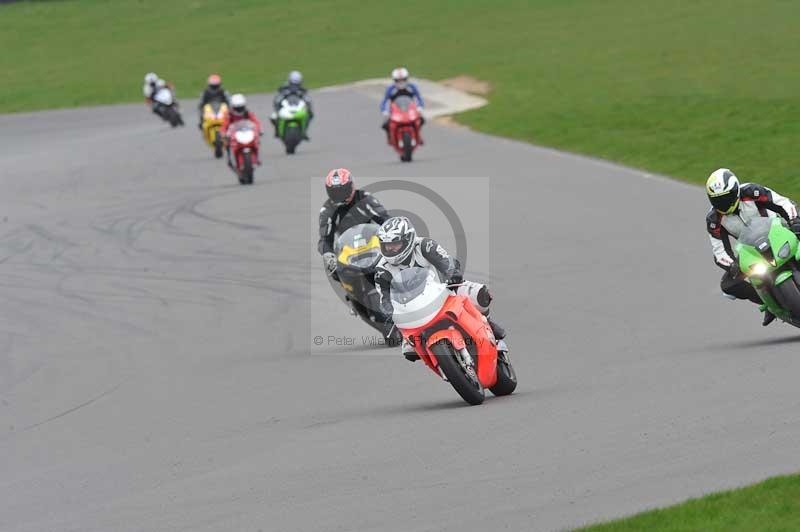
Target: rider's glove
<point>456,278</point>
<point>794,225</point>
<point>329,261</point>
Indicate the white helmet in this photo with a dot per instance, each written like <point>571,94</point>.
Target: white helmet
<point>150,77</point>
<point>160,83</point>
<point>238,103</point>
<point>400,74</point>
<point>397,237</point>
<point>295,77</point>
<point>722,188</point>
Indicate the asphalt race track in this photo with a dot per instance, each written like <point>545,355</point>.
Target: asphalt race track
<point>157,370</point>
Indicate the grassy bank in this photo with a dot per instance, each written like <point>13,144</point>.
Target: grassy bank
<point>674,87</point>
<point>772,505</point>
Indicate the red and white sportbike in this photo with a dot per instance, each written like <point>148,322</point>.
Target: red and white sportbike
<point>405,121</point>
<point>244,143</point>
<point>450,335</point>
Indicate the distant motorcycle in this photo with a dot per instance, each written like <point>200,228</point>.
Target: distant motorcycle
<point>358,252</point>
<point>450,335</point>
<point>292,121</point>
<point>244,140</point>
<point>405,121</point>
<point>213,117</point>
<point>165,106</point>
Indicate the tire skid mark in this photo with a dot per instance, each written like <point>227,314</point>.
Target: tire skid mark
<point>74,408</point>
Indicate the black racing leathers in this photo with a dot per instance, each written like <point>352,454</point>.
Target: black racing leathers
<point>210,95</point>
<point>336,219</point>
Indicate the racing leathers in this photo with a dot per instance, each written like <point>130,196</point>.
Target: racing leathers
<point>335,219</point>
<point>218,95</point>
<point>393,91</point>
<point>284,91</point>
<point>755,201</point>
<point>148,90</point>
<point>427,253</point>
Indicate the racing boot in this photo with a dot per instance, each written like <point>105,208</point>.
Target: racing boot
<point>769,317</point>
<point>408,350</point>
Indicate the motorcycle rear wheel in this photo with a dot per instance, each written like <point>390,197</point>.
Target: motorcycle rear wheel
<point>506,379</point>
<point>467,386</point>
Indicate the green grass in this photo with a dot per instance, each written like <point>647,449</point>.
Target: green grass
<point>678,87</point>
<point>772,505</point>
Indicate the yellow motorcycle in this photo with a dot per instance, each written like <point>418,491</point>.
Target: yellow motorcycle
<point>214,115</point>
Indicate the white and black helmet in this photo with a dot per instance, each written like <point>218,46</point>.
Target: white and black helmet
<point>397,237</point>
<point>722,188</point>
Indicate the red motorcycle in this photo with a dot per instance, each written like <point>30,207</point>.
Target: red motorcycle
<point>244,140</point>
<point>405,121</point>
<point>450,335</point>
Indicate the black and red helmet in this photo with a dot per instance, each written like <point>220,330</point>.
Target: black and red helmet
<point>339,185</point>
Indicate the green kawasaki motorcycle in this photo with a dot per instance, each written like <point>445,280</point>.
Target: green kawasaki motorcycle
<point>768,257</point>
<point>292,121</point>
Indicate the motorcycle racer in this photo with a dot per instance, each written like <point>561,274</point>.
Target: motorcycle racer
<point>293,85</point>
<point>213,93</point>
<point>149,87</point>
<point>160,85</point>
<point>345,207</point>
<point>733,206</point>
<point>239,111</point>
<point>402,248</point>
<point>400,87</point>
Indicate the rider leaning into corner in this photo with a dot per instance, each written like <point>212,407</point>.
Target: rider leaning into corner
<point>345,207</point>
<point>293,86</point>
<point>402,248</point>
<point>733,206</point>
<point>400,87</point>
<point>239,111</point>
<point>213,93</point>
<point>149,87</point>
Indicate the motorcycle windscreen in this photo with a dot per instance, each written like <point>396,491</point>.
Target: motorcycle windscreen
<point>404,103</point>
<point>243,125</point>
<point>359,247</point>
<point>757,232</point>
<point>417,297</point>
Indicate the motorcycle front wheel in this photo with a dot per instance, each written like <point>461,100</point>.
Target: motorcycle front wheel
<point>408,149</point>
<point>465,382</point>
<point>291,138</point>
<point>788,295</point>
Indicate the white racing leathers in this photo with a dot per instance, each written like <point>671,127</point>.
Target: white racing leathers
<point>756,201</point>
<point>429,254</point>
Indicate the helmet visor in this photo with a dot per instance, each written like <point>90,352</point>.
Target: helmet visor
<point>392,249</point>
<point>341,194</point>
<point>726,203</point>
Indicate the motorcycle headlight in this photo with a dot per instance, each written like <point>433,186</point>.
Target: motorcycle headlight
<point>759,268</point>
<point>785,251</point>
<point>245,137</point>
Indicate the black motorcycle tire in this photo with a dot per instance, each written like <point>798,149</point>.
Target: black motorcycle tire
<point>467,386</point>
